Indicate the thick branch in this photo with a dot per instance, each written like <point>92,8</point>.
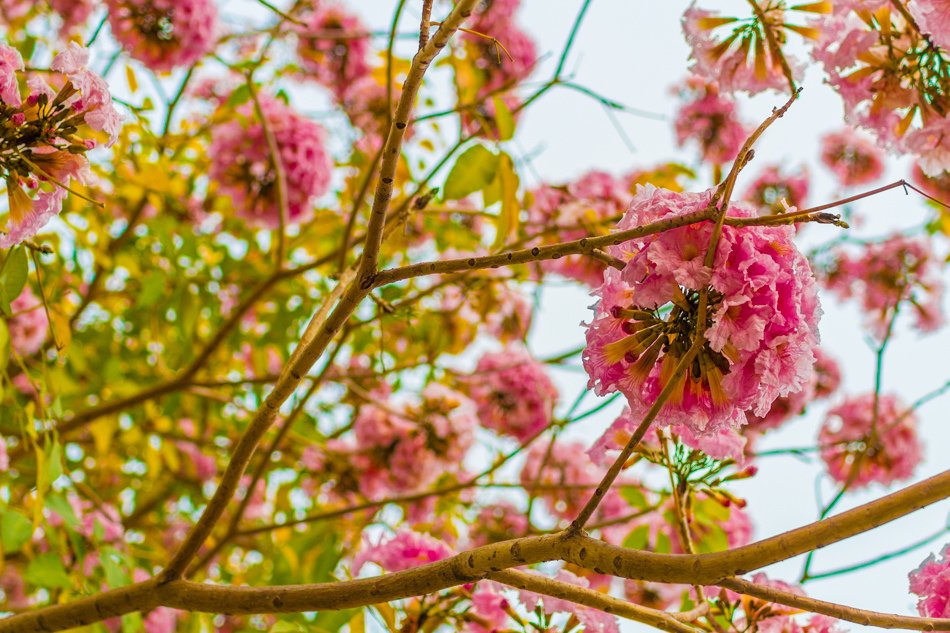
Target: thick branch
<point>851,614</point>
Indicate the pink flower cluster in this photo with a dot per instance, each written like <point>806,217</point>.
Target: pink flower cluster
<point>398,447</point>
<point>498,522</point>
<point>852,157</point>
<point>334,48</point>
<point>39,167</point>
<point>898,273</point>
<point>561,475</point>
<point>860,446</point>
<point>760,329</point>
<point>931,581</point>
<point>243,168</point>
<point>504,54</point>
<point>74,13</point>
<point>771,617</point>
<point>709,119</point>
<point>513,393</point>
<point>892,81</point>
<point>578,209</point>
<point>164,34</point>
<point>727,62</point>
<point>29,324</point>
<point>774,191</point>
<point>403,550</point>
<point>826,381</point>
<point>933,18</point>
<point>490,609</point>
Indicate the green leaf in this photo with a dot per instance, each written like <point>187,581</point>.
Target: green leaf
<point>4,345</point>
<point>15,272</point>
<point>634,496</point>
<point>46,570</point>
<point>113,563</point>
<point>15,531</point>
<point>473,171</point>
<point>287,627</point>
<point>504,120</point>
<point>663,544</point>
<point>508,218</point>
<point>715,540</point>
<point>333,620</point>
<point>60,506</point>
<point>153,289</point>
<point>54,467</point>
<point>637,539</point>
<point>241,94</point>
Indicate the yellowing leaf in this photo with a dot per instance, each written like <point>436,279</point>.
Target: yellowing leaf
<point>131,79</point>
<point>510,209</point>
<point>504,119</point>
<point>472,172</point>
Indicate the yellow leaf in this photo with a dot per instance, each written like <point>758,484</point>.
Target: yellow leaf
<point>62,334</point>
<point>130,78</point>
<point>102,432</point>
<point>508,218</point>
<point>358,622</point>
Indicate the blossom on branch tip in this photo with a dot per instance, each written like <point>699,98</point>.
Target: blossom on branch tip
<point>710,119</point>
<point>242,166</point>
<point>760,327</point>
<point>931,581</point>
<point>513,393</point>
<point>403,550</point>
<point>860,445</point>
<point>164,34</point>
<point>334,48</point>
<point>851,157</point>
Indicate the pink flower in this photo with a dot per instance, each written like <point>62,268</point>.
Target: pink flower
<point>577,209</point>
<point>492,15</point>
<point>489,612</point>
<point>931,581</point>
<point>10,63</point>
<point>93,92</point>
<point>933,17</point>
<point>859,447</point>
<point>74,13</point>
<point>852,158</point>
<point>826,381</point>
<point>709,119</point>
<point>29,325</point>
<point>728,62</point>
<point>335,63</point>
<point>775,192</point>
<point>4,458</point>
<point>159,619</point>
<point>498,522</point>
<point>899,272</point>
<point>403,550</point>
<point>164,34</point>
<point>761,321</point>
<point>242,166</point>
<point>513,393</point>
<point>560,475</point>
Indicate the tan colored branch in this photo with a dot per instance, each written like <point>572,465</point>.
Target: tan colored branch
<point>706,569</point>
<point>593,599</point>
<point>851,614</point>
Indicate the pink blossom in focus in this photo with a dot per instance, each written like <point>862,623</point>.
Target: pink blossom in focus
<point>855,453</point>
<point>709,119</point>
<point>898,273</point>
<point>931,581</point>
<point>489,612</point>
<point>933,17</point>
<point>852,158</point>
<point>93,91</point>
<point>761,329</point>
<point>403,550</point>
<point>241,162</point>
<point>513,393</point>
<point>29,325</point>
<point>10,63</point>
<point>334,63</point>
<point>734,67</point>
<point>164,34</point>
